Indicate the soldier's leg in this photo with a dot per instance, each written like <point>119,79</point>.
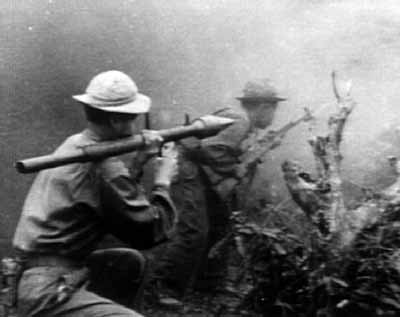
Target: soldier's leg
<point>117,274</point>
<point>177,267</point>
<point>214,270</point>
<point>60,291</point>
<point>84,303</point>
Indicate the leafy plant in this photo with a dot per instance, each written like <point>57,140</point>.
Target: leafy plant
<point>284,273</point>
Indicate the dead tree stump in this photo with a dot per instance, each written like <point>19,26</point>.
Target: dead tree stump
<point>322,198</point>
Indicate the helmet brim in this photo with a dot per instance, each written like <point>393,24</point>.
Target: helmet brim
<point>141,104</point>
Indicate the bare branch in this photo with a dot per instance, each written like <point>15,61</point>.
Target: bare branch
<point>334,86</point>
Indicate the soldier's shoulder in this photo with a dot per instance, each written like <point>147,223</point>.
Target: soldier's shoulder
<point>235,133</point>
<point>75,141</point>
<point>241,123</point>
<point>230,112</point>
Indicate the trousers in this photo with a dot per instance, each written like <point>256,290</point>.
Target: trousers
<point>109,285</point>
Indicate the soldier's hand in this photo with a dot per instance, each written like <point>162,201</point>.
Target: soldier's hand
<point>170,149</point>
<point>152,140</point>
<point>165,170</point>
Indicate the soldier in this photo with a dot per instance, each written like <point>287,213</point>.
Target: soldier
<point>69,209</point>
<point>208,175</point>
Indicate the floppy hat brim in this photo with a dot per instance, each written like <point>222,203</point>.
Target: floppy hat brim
<point>141,104</point>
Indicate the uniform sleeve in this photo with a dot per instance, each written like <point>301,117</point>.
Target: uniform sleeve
<point>132,217</point>
<point>221,152</point>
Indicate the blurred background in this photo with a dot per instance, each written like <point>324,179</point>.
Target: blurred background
<point>194,57</point>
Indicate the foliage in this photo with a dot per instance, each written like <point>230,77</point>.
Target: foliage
<point>292,274</point>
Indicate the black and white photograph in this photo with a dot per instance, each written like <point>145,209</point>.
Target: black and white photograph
<point>194,158</point>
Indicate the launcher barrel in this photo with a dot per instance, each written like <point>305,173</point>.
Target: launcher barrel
<point>202,127</point>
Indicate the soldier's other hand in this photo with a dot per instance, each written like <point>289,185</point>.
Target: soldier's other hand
<point>170,149</point>
<point>165,170</point>
<point>152,142</point>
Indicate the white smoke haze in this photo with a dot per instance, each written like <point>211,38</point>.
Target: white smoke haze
<point>195,56</point>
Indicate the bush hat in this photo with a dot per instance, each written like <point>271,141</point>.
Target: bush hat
<point>114,91</point>
<point>260,90</point>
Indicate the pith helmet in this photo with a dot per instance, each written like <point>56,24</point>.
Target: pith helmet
<point>260,90</point>
<point>114,91</point>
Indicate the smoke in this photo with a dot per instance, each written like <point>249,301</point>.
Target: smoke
<point>194,57</point>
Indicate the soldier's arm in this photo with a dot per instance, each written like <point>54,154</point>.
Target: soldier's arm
<point>222,151</point>
<point>131,216</point>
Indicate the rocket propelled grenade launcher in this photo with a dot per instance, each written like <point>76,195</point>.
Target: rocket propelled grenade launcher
<point>202,127</point>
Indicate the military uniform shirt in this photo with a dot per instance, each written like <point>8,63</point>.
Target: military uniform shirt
<point>219,155</point>
<point>70,208</point>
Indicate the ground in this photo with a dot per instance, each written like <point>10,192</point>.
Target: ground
<point>201,304</point>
